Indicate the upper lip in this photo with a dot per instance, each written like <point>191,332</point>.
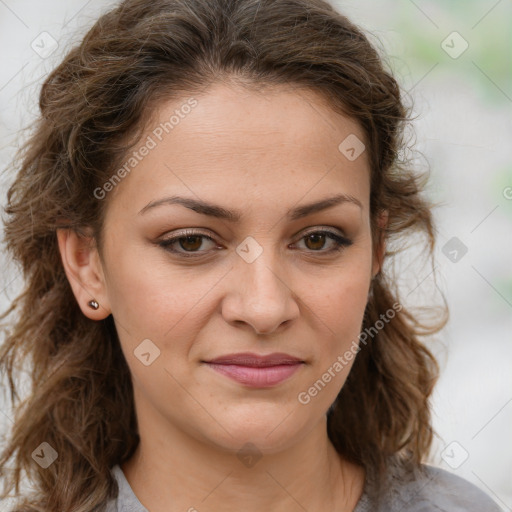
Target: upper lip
<point>250,359</point>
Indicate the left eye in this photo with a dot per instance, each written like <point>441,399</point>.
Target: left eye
<point>190,242</point>
<point>318,238</point>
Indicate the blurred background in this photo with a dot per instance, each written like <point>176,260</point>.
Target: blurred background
<point>455,61</point>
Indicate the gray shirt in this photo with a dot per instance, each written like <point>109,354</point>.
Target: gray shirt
<point>434,490</point>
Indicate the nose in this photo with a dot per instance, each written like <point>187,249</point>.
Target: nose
<point>259,296</point>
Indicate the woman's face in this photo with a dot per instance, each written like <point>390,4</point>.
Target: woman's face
<point>255,275</point>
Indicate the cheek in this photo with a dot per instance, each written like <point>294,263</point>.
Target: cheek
<point>339,312</point>
<point>169,305</point>
<point>344,290</point>
<point>345,309</point>
<point>340,303</point>
<point>350,296</point>
<point>147,294</point>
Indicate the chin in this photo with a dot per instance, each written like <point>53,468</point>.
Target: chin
<point>268,433</point>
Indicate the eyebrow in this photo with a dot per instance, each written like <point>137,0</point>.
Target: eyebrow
<point>219,212</point>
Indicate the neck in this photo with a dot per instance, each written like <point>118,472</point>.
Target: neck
<point>174,471</point>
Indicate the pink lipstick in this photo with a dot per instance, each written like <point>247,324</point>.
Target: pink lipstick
<point>258,371</point>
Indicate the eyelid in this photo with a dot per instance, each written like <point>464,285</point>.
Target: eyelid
<point>313,229</point>
<point>328,229</point>
<point>191,232</point>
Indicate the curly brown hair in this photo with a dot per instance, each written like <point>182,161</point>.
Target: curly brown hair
<point>94,106</point>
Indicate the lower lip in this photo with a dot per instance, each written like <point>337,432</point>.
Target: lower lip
<point>257,377</point>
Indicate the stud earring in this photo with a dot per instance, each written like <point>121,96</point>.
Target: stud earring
<point>93,304</point>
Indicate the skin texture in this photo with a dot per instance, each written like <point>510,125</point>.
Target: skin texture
<point>262,154</point>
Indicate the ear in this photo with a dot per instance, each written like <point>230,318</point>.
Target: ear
<point>380,247</point>
<point>84,271</point>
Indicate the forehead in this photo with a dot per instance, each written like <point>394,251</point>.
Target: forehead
<point>254,117</point>
<point>231,138</point>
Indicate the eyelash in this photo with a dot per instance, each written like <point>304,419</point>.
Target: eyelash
<point>340,241</point>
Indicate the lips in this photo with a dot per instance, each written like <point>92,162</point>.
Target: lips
<point>255,360</point>
<point>255,370</point>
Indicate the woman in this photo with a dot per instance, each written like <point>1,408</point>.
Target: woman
<point>204,216</point>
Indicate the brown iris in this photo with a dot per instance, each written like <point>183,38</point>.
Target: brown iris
<point>318,240</point>
<point>194,242</point>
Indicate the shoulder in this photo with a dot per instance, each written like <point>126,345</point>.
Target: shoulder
<point>450,492</point>
<point>426,489</point>
<point>126,500</point>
